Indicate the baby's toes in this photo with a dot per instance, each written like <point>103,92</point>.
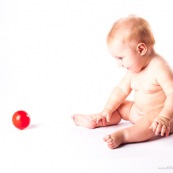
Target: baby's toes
<point>111,146</point>
<point>111,143</point>
<point>106,138</point>
<point>93,124</point>
<point>75,118</point>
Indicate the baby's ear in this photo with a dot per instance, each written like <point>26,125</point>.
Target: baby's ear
<point>141,49</point>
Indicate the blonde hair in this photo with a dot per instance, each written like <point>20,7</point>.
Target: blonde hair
<point>134,29</point>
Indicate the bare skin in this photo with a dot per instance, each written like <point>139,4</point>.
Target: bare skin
<point>151,79</point>
<point>138,132</point>
<point>149,102</point>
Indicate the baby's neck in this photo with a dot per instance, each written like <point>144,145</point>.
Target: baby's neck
<point>149,56</point>
<point>151,52</point>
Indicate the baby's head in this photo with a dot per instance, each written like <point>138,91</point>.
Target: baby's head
<point>132,29</point>
<point>129,40</point>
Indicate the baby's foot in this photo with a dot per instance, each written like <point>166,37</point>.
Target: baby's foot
<point>114,140</point>
<point>88,121</point>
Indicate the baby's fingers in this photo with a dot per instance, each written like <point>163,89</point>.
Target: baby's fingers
<point>104,121</point>
<point>101,119</point>
<point>98,118</point>
<point>154,126</point>
<point>163,131</point>
<point>158,129</point>
<point>167,131</point>
<point>107,118</point>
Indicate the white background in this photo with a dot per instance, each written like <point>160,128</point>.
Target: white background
<point>54,63</point>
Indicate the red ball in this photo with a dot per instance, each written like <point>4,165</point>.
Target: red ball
<point>21,119</point>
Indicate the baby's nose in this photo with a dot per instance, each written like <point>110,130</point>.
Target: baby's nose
<point>120,64</point>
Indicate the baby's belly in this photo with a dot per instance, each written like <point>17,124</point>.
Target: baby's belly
<point>145,102</point>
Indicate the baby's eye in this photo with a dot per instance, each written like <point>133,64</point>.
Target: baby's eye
<point>118,57</point>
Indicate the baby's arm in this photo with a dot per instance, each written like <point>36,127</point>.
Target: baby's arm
<point>161,124</point>
<point>118,95</point>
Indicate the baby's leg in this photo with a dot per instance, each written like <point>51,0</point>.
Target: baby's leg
<point>89,121</point>
<point>138,132</point>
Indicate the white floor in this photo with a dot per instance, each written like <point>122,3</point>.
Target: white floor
<point>59,146</point>
<point>54,63</point>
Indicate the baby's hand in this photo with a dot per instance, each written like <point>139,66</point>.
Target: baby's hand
<point>161,125</point>
<point>104,116</point>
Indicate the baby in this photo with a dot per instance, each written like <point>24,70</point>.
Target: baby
<point>131,43</point>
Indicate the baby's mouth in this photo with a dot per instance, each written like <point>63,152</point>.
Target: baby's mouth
<point>126,68</point>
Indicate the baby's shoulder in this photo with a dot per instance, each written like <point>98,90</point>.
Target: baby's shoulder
<point>159,65</point>
<point>158,62</point>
